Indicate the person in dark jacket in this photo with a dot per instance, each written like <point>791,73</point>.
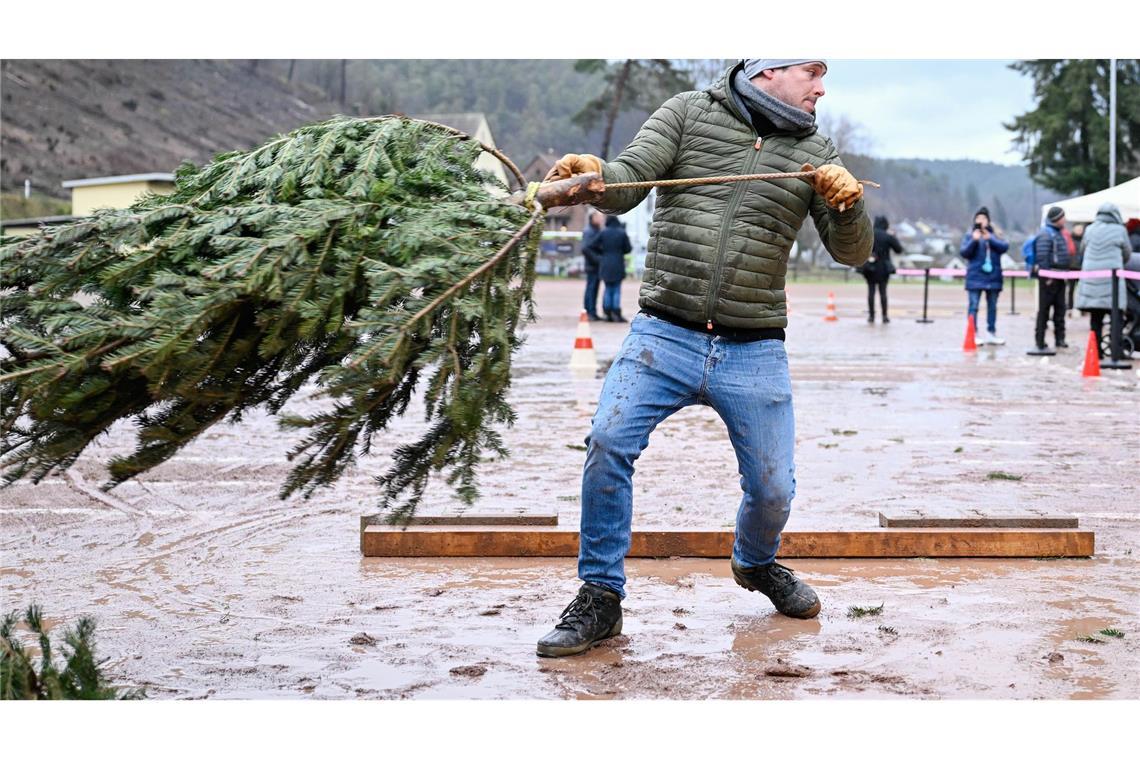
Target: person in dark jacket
<point>593,229</point>
<point>1075,250</point>
<point>1051,252</point>
<point>879,268</point>
<point>982,250</point>
<point>610,247</point>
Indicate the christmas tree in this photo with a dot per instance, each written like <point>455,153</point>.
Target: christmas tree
<point>367,256</point>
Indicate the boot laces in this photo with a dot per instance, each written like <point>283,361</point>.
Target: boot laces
<point>783,575</point>
<point>582,608</point>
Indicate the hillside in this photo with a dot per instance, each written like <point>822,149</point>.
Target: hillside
<point>67,119</point>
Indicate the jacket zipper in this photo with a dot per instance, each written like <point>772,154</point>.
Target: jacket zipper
<point>726,225</point>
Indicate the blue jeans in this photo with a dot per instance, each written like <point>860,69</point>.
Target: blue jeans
<point>590,302</point>
<point>991,307</point>
<point>611,299</point>
<point>661,369</point>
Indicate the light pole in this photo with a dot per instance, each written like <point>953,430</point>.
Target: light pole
<point>1111,122</point>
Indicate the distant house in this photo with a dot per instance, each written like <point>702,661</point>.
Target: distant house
<point>115,192</point>
<point>87,195</point>
<point>473,124</point>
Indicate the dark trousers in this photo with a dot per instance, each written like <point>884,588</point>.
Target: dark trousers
<point>590,302</point>
<point>611,300</point>
<point>1050,295</point>
<point>882,286</point>
<point>1072,288</point>
<point>1096,324</point>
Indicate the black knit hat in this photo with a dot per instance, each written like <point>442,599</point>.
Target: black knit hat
<point>983,210</point>
<point>1054,213</point>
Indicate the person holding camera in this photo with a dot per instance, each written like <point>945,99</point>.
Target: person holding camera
<point>1051,252</point>
<point>982,250</point>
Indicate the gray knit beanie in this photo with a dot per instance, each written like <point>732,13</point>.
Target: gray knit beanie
<point>753,66</point>
<point>1054,213</point>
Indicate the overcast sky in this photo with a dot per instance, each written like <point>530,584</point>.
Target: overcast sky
<point>930,109</point>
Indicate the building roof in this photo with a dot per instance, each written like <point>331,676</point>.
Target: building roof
<point>468,123</point>
<point>119,180</point>
<point>36,221</point>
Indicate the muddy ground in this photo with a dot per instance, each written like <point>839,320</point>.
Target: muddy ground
<point>205,585</point>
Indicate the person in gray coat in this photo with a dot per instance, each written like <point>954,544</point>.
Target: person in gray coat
<point>1104,246</point>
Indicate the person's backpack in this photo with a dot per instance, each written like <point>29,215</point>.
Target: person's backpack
<point>1029,252</point>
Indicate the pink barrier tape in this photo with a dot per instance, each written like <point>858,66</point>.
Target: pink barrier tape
<point>1128,274</point>
<point>1052,274</point>
<point>955,272</point>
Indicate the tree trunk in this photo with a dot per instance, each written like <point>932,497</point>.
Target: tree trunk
<point>343,81</point>
<point>292,63</point>
<point>619,90</point>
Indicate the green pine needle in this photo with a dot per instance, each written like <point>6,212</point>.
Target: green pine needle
<point>80,677</point>
<point>355,255</point>
<point>1112,632</point>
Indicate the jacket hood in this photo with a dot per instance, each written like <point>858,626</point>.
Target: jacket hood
<point>881,223</point>
<point>1108,212</point>
<point>613,221</point>
<point>722,92</point>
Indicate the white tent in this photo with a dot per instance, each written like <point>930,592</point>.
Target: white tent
<point>1083,208</point>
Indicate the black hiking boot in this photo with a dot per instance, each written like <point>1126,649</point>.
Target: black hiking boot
<point>594,615</point>
<point>788,594</point>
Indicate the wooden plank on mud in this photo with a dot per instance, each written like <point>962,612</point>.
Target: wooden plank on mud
<point>973,518</point>
<point>474,519</point>
<point>505,541</point>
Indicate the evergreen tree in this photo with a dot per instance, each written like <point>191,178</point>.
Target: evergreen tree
<point>1065,138</point>
<point>80,677</point>
<point>367,256</point>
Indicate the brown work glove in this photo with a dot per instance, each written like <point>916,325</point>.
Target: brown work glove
<point>836,185</point>
<point>572,164</point>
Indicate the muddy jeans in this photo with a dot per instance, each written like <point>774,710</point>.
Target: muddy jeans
<point>660,369</point>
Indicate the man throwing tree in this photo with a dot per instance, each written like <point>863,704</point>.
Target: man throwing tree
<point>713,312</point>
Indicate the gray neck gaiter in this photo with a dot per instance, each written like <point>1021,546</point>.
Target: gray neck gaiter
<point>782,115</point>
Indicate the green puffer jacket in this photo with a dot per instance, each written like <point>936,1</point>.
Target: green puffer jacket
<point>719,253</point>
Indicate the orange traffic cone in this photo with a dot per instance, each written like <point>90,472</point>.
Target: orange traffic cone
<point>1092,358</point>
<point>969,345</point>
<point>830,316</point>
<point>583,357</point>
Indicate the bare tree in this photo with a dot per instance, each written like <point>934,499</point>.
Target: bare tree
<point>850,137</point>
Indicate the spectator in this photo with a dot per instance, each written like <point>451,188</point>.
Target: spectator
<point>610,246</point>
<point>593,229</point>
<point>1051,251</point>
<point>1075,251</point>
<point>1133,227</point>
<point>1105,246</point>
<point>982,250</point>
<point>879,268</point>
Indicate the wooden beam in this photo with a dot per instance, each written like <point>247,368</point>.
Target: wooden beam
<point>467,519</point>
<point>432,541</point>
<point>974,519</point>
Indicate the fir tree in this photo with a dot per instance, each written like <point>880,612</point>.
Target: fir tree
<point>367,256</point>
<point>80,677</point>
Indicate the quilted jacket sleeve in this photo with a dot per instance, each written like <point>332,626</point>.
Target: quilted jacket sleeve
<point>650,156</point>
<point>847,235</point>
